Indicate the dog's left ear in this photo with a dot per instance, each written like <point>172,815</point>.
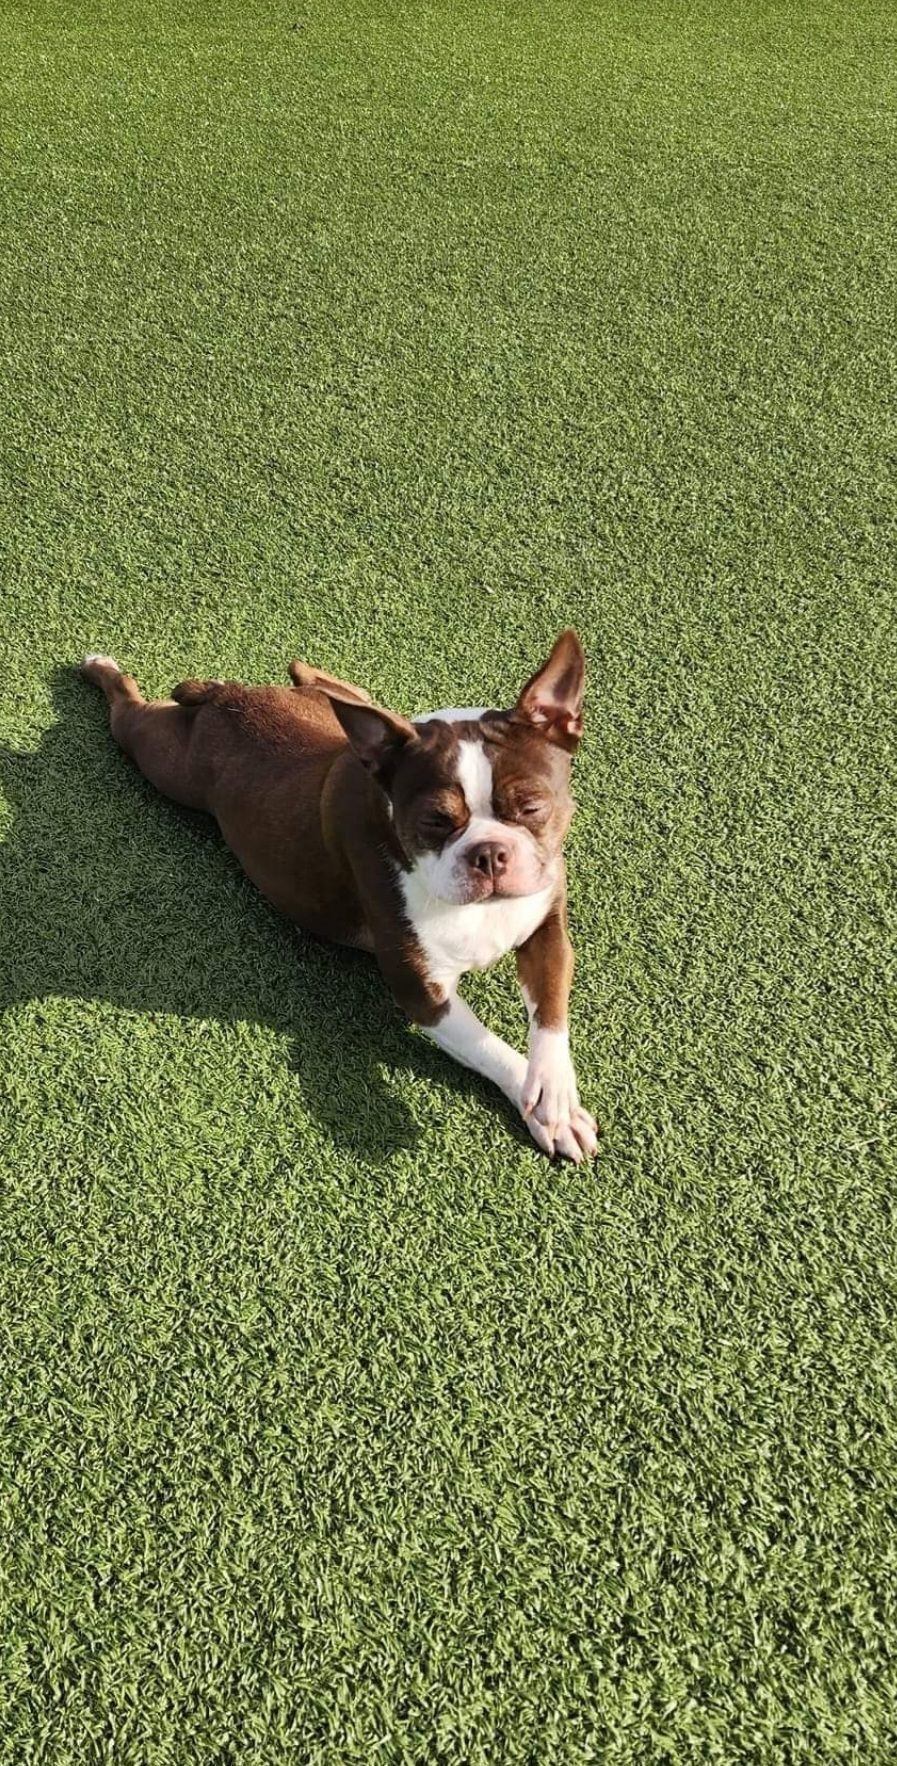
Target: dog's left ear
<point>552,700</point>
<point>377,736</point>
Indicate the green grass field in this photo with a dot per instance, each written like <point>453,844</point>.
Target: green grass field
<point>338,1425</point>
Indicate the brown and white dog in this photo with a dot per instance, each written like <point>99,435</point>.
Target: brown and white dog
<point>434,843</point>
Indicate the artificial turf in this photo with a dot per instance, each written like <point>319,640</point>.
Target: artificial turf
<point>339,1425</point>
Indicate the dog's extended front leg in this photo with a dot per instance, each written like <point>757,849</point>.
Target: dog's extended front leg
<point>550,1095</point>
<point>443,1016</point>
<point>462,1034</point>
<point>449,1022</point>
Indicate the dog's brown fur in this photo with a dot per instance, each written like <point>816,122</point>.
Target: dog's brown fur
<point>271,763</point>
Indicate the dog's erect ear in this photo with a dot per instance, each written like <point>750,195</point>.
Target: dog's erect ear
<point>376,735</point>
<point>552,701</point>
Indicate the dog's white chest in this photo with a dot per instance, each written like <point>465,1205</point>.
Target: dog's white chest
<point>473,936</point>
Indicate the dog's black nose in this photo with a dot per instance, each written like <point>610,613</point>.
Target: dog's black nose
<point>490,858</point>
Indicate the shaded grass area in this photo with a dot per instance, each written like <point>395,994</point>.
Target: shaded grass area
<point>338,1425</point>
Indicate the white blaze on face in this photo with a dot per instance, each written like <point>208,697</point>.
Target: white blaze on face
<point>448,874</point>
<point>475,779</point>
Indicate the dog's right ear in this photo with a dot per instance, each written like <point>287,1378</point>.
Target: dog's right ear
<point>377,736</point>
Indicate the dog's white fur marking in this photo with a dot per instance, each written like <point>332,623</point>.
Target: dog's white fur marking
<point>463,1036</point>
<point>95,656</point>
<point>456,937</point>
<point>475,779</point>
<point>550,1069</point>
<point>550,1101</point>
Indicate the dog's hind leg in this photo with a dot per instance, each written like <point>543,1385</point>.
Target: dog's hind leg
<point>303,675</point>
<point>157,734</point>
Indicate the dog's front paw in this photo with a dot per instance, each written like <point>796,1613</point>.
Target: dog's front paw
<point>550,1104</point>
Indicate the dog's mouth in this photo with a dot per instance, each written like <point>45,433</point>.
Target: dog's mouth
<point>477,889</point>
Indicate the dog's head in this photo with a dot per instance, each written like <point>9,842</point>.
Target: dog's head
<point>480,800</point>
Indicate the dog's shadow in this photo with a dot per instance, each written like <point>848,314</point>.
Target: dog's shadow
<point>109,891</point>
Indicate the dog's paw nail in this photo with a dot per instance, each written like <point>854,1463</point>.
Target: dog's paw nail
<point>586,1130</point>
<point>567,1144</point>
<point>538,1132</point>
